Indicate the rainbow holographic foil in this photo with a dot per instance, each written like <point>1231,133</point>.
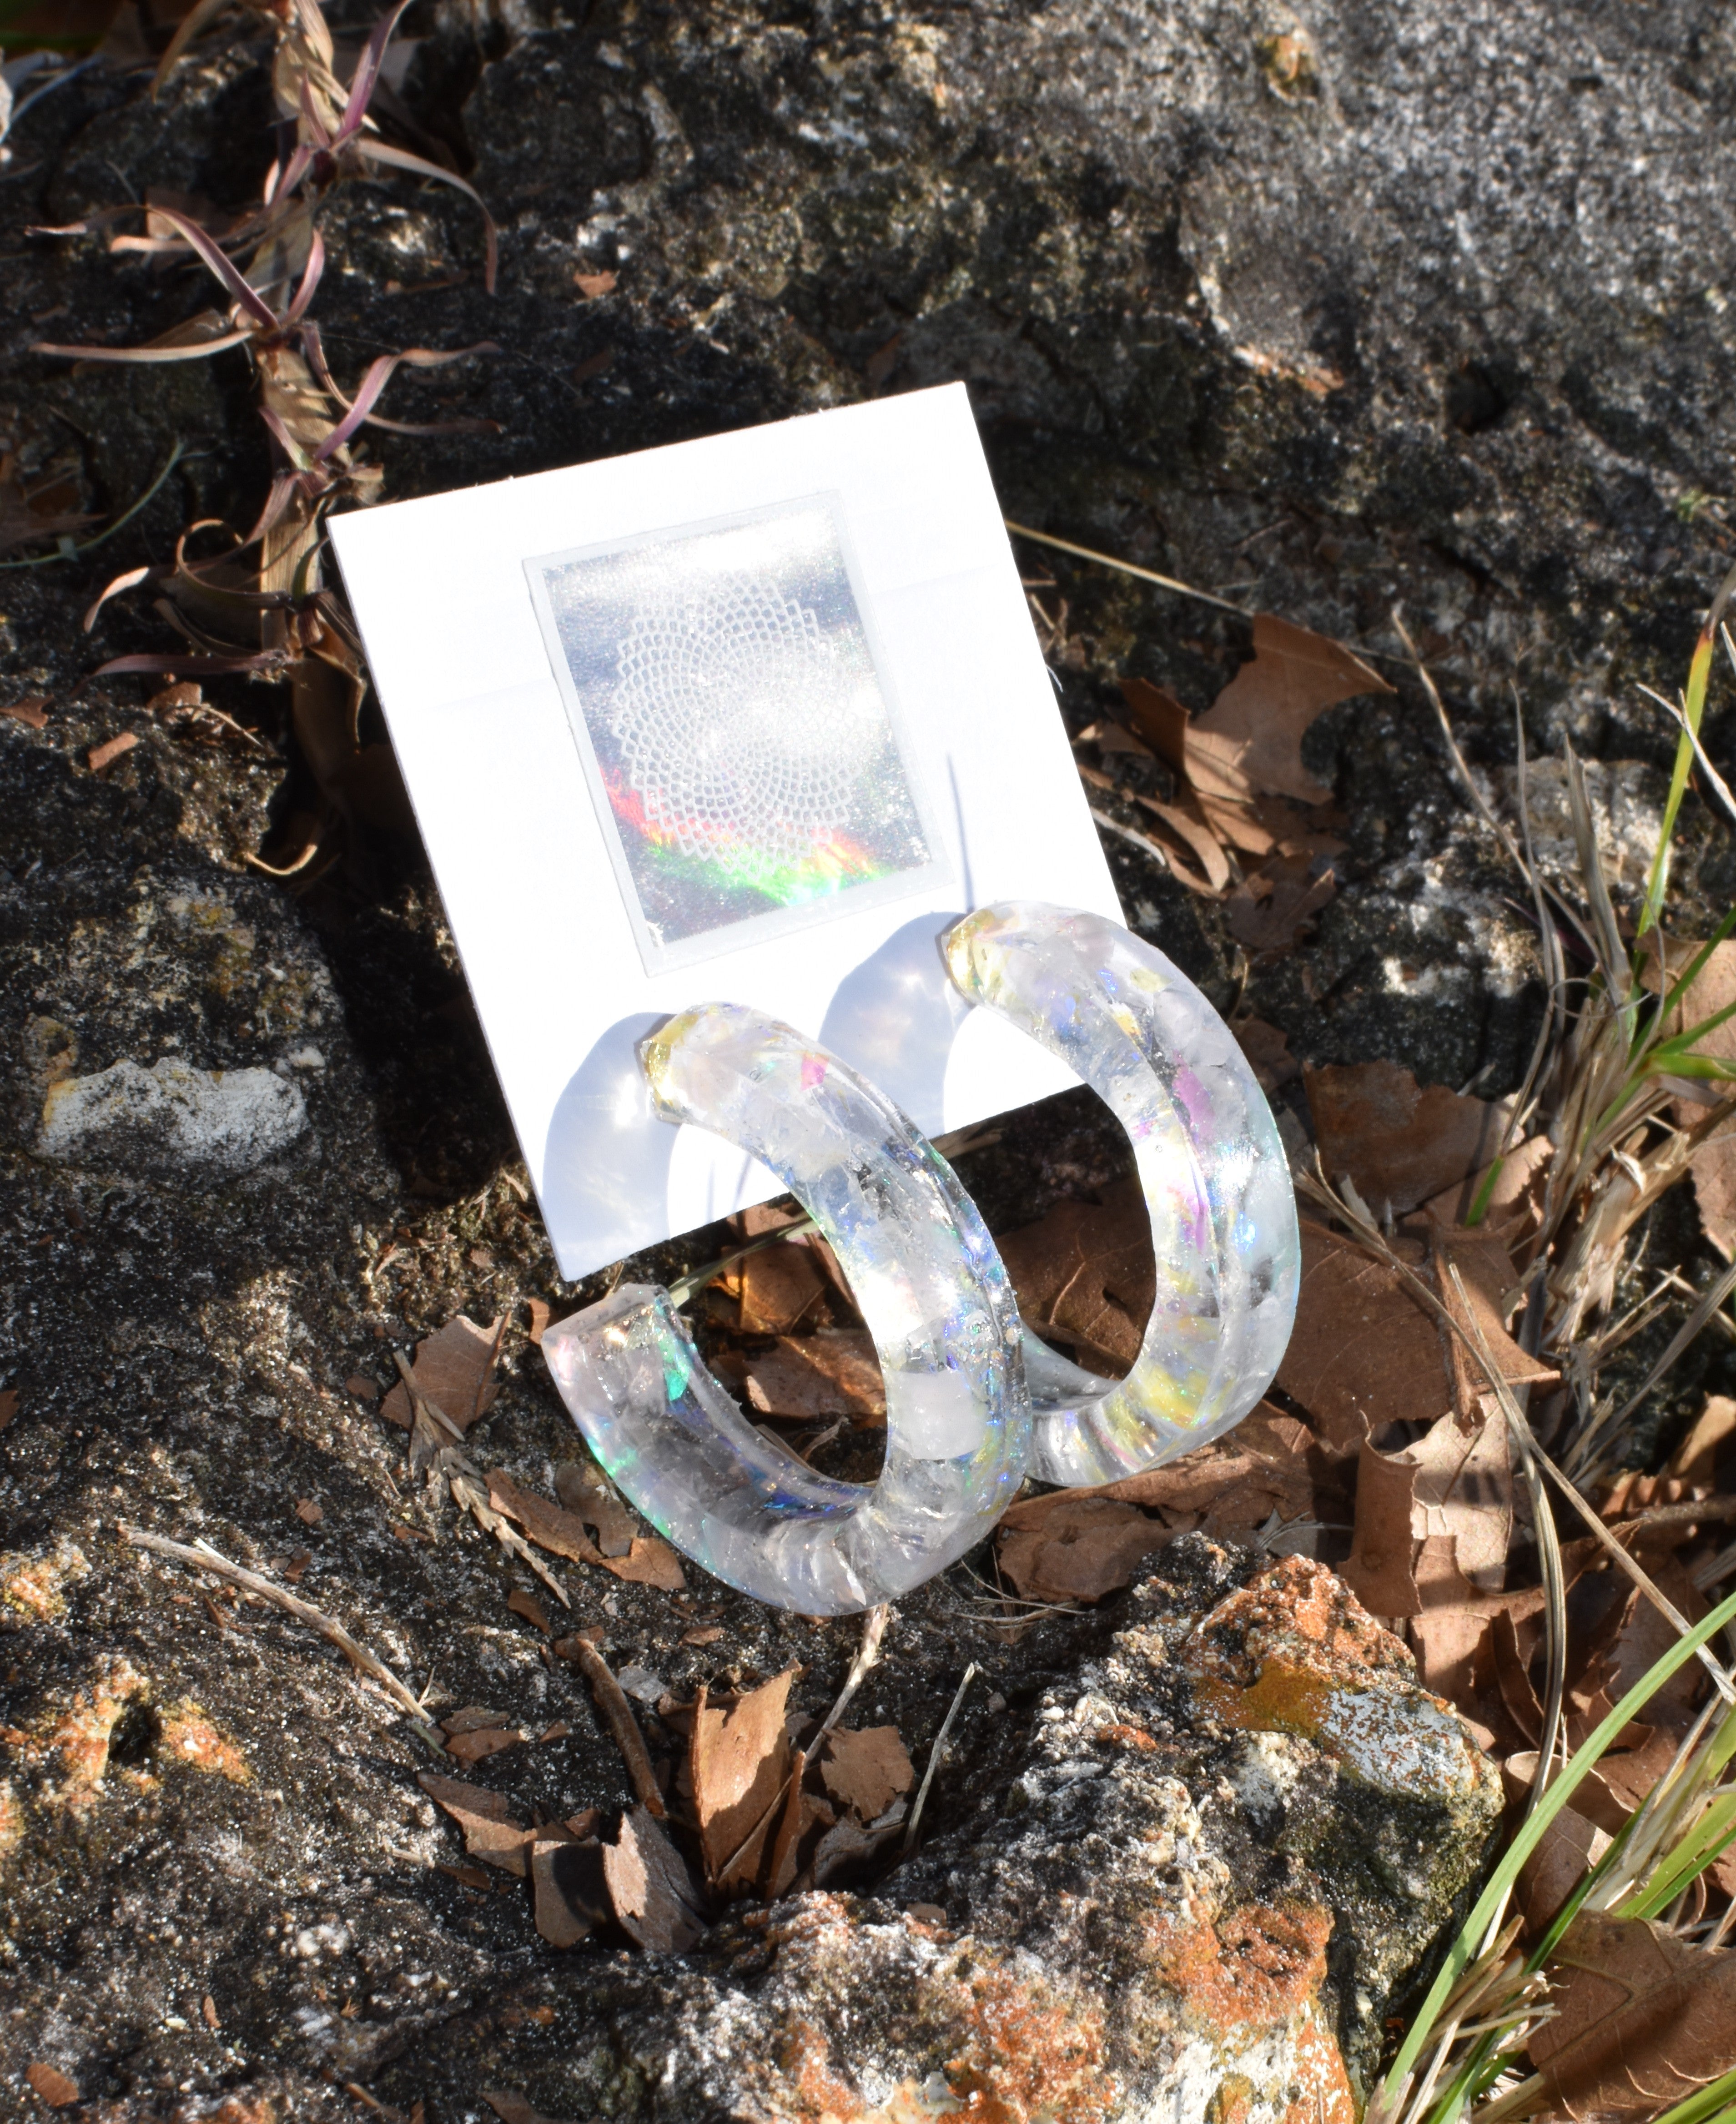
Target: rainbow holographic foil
<point>1216,1178</point>
<point>736,729</point>
<point>931,1289</point>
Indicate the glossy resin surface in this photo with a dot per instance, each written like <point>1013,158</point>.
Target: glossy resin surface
<point>1216,1178</point>
<point>931,1289</point>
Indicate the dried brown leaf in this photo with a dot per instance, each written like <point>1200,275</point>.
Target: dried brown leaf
<point>54,2086</point>
<point>650,1562</point>
<point>471,1719</point>
<point>521,1603</point>
<point>1709,1443</point>
<point>567,1875</point>
<point>539,1310</point>
<point>1159,719</point>
<point>1366,1353</point>
<point>847,1845</point>
<point>866,1771</point>
<point>105,753</point>
<point>1269,911</point>
<point>454,1369</point>
<point>1641,2019</point>
<point>1512,1195</point>
<point>1270,1463</point>
<point>585,1490</point>
<point>779,1286</point>
<point>1249,741</point>
<point>1434,1520</point>
<point>1399,1143</point>
<point>468,1877</point>
<point>1555,1869</point>
<point>491,1833</point>
<point>832,1374</point>
<point>512,2109</point>
<point>740,1763</point>
<point>1084,1276</point>
<point>1267,1051</point>
<point>1449,1643</point>
<point>653,1894</point>
<point>1196,838</point>
<point>1084,1548</point>
<point>486,1741</point>
<point>560,1533</point>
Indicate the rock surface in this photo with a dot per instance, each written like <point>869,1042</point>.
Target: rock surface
<point>1330,308</point>
<point>1193,1884</point>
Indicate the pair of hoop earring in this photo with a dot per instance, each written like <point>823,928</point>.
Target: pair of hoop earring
<point>974,1401</point>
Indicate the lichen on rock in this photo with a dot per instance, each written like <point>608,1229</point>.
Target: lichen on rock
<point>1198,1894</point>
<point>170,1122</point>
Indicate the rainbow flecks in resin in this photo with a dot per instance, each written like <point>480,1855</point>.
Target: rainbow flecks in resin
<point>931,1288</point>
<point>1216,1178</point>
<point>731,864</point>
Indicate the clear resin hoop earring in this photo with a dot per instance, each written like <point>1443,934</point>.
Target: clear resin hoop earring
<point>1216,1181</point>
<point>930,1286</point>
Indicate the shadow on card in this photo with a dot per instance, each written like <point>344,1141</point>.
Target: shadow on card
<point>895,1015</point>
<point>607,1155</point>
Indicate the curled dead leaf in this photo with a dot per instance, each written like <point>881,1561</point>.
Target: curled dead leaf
<point>454,1371</point>
<point>1086,1546</point>
<point>652,1893</point>
<point>866,1771</point>
<point>1399,1144</point>
<point>739,1760</point>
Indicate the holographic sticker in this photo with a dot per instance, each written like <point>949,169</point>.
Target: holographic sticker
<point>736,729</point>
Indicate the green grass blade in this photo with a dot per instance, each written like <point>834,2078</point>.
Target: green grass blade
<point>1578,1768</point>
<point>1693,708</point>
<point>1714,1832</point>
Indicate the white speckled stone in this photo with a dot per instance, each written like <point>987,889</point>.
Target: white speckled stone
<point>171,1121</point>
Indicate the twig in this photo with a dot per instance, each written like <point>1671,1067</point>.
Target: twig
<point>934,1756</point>
<point>461,1477</point>
<point>612,1702</point>
<point>868,1658</point>
<point>1126,568</point>
<point>1665,1606</point>
<point>1711,1299</point>
<point>1691,1511</point>
<point>1143,842</point>
<point>204,1558</point>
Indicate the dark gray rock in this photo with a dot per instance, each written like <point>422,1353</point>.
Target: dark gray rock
<point>1191,1885</point>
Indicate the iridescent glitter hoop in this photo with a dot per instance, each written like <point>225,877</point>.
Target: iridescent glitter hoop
<point>931,1288</point>
<point>1216,1181</point>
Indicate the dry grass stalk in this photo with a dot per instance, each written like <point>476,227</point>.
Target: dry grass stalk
<point>252,1581</point>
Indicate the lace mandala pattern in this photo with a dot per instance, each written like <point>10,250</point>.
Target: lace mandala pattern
<point>741,734</point>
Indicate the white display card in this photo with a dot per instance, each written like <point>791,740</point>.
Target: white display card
<point>752,719</point>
